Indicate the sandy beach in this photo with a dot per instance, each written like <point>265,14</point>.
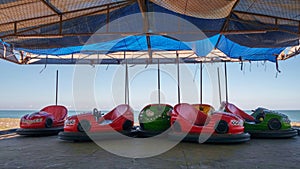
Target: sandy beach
<point>9,123</point>
<point>295,124</point>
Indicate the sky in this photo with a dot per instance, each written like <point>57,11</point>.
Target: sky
<point>32,87</point>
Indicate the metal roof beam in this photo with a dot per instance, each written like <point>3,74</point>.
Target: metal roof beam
<point>143,9</point>
<point>224,27</point>
<point>299,27</point>
<point>142,6</point>
<point>10,60</point>
<point>227,32</point>
<point>52,7</point>
<point>118,61</point>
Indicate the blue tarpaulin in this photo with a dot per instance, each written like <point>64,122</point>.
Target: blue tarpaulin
<point>237,51</point>
<point>133,43</point>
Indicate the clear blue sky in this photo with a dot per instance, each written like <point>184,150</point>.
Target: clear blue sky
<point>24,87</point>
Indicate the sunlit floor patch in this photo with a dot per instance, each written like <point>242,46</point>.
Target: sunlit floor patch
<point>8,136</point>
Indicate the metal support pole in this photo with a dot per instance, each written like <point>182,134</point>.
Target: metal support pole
<point>127,85</point>
<point>178,77</point>
<point>226,87</point>
<point>56,95</point>
<point>60,24</point>
<point>15,27</point>
<point>201,82</point>
<point>125,88</point>
<point>219,83</point>
<point>158,80</point>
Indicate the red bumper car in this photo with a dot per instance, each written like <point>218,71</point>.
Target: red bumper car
<point>48,121</point>
<point>94,125</point>
<point>191,124</point>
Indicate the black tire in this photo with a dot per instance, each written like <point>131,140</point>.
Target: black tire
<point>48,123</point>
<point>176,127</point>
<point>127,125</point>
<point>222,127</point>
<point>274,124</point>
<point>84,126</point>
<point>142,126</point>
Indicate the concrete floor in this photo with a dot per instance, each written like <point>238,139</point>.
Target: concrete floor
<point>50,152</point>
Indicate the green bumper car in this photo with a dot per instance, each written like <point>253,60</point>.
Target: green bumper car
<point>264,123</point>
<point>154,119</point>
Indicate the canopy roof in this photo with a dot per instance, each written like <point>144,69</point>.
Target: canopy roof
<point>100,31</point>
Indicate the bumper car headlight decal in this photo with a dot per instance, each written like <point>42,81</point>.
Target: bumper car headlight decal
<point>237,123</point>
<point>38,120</point>
<point>70,122</point>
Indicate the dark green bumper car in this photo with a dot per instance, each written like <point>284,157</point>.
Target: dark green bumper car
<point>264,123</point>
<point>154,119</point>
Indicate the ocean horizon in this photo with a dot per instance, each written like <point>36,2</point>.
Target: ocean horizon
<point>294,115</point>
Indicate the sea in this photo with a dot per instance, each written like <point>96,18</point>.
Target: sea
<point>294,115</point>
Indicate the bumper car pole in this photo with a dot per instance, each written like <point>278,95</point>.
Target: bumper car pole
<point>56,95</point>
<point>201,83</point>
<point>158,80</point>
<point>226,87</point>
<point>126,81</point>
<point>219,83</point>
<point>178,77</point>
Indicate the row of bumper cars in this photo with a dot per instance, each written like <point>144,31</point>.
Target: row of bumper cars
<point>196,123</point>
<point>157,119</point>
